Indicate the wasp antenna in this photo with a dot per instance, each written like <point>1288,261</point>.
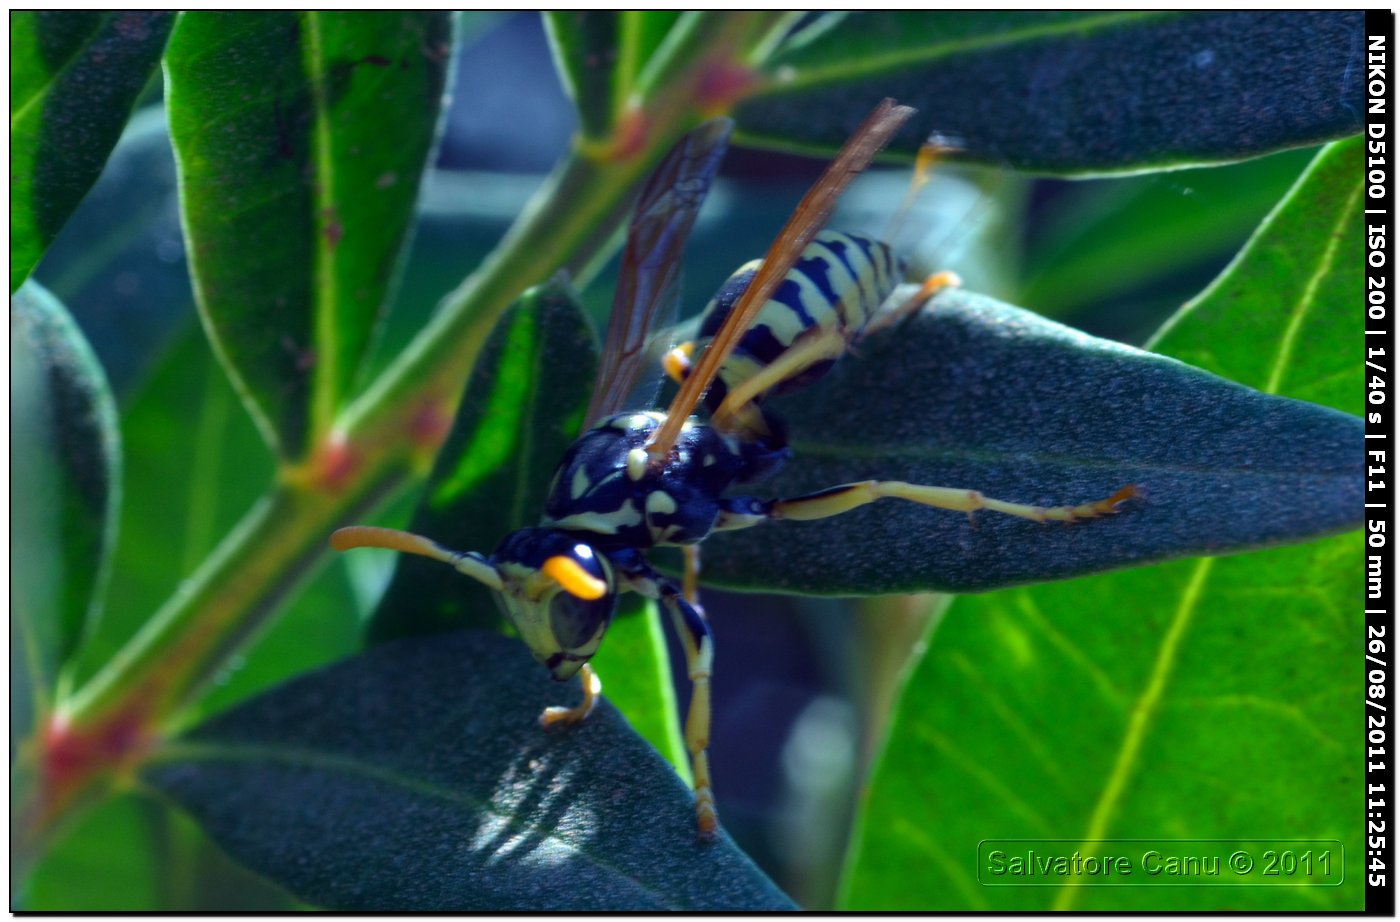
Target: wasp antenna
<point>575,579</point>
<point>935,148</point>
<point>466,563</point>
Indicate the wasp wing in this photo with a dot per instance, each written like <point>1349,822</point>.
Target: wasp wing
<point>648,287</point>
<point>809,218</point>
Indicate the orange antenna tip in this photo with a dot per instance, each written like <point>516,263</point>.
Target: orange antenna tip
<point>575,579</point>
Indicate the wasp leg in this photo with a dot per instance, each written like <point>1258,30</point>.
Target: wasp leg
<point>695,637</point>
<point>931,287</point>
<point>592,688</point>
<point>691,581</point>
<point>743,513</point>
<point>818,345</point>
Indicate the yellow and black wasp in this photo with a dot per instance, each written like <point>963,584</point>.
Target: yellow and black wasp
<point>637,480</point>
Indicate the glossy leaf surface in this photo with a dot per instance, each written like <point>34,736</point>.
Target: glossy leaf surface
<point>300,140</point>
<point>66,482</point>
<point>1071,92</point>
<point>973,393</point>
<point>74,76</point>
<point>415,776</point>
<point>1205,700</point>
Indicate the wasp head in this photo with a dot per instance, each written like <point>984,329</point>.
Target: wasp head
<point>559,593</point>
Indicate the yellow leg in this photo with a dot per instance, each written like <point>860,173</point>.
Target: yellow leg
<point>697,737</point>
<point>694,634</point>
<point>849,496</point>
<point>699,658</point>
<point>690,584</point>
<point>592,688</point>
<point>931,287</point>
<point>815,346</point>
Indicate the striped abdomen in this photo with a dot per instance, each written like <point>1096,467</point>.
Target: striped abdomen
<point>837,284</point>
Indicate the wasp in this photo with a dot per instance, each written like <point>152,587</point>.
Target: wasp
<point>641,479</point>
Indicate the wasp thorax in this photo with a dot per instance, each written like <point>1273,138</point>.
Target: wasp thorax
<point>559,593</point>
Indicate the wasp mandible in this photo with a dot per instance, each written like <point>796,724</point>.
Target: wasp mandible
<point>637,480</point>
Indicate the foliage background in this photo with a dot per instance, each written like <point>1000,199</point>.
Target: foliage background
<point>806,688</point>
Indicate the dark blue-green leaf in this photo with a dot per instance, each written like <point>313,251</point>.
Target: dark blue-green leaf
<point>65,485</point>
<point>74,76</point>
<point>522,409</point>
<point>301,138</point>
<point>1072,92</point>
<point>973,393</point>
<point>414,777</point>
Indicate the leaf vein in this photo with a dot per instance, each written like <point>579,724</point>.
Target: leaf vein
<point>1308,297</point>
<point>1147,706</point>
<point>325,293</point>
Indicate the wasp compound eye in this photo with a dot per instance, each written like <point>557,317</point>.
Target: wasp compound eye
<point>577,622</point>
<point>579,612</point>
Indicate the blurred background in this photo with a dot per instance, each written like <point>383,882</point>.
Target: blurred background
<point>802,684</point>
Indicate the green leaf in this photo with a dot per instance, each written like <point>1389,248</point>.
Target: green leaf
<point>194,464</point>
<point>1107,239</point>
<point>523,408</point>
<point>600,54</point>
<point>585,46</point>
<point>1071,92</point>
<point>1290,284</point>
<point>635,670</point>
<point>414,776</point>
<point>118,264</point>
<point>66,488</point>
<point>74,77</point>
<point>133,854</point>
<point>975,394</point>
<point>300,140</point>
<point>1208,699</point>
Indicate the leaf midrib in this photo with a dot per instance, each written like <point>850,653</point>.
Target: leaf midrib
<point>842,452</point>
<point>1143,711</point>
<point>324,286</point>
